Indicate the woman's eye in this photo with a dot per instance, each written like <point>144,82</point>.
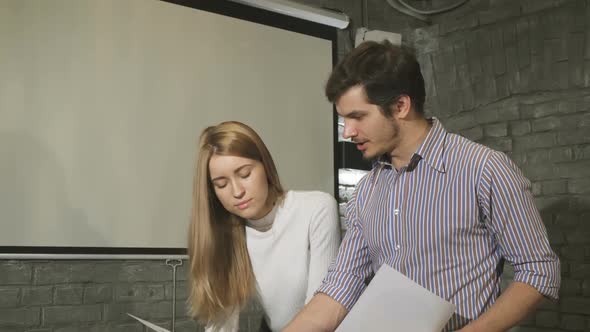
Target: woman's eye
<point>243,176</point>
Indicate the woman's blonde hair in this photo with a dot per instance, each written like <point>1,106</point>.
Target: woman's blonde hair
<point>221,276</point>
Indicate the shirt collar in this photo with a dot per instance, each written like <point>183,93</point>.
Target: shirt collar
<point>431,150</point>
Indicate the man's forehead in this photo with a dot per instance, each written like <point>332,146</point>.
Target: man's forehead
<point>352,113</point>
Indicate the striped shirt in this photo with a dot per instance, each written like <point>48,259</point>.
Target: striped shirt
<point>448,221</point>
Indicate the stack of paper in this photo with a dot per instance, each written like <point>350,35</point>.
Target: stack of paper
<point>392,302</point>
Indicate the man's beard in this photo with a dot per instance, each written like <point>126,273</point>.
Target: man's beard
<point>384,155</point>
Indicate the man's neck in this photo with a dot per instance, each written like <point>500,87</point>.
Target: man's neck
<point>412,135</point>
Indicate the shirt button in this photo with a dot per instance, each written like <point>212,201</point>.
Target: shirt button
<point>397,247</point>
<point>396,212</point>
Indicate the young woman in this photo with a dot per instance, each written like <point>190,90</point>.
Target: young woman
<point>249,238</point>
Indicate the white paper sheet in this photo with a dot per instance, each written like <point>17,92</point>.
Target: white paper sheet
<point>150,325</point>
<point>392,302</point>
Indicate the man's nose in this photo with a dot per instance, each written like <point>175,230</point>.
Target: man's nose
<point>349,131</point>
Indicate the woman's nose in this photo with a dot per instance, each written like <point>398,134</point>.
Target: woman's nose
<point>238,189</point>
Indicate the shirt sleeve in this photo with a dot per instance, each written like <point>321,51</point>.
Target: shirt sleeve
<point>345,281</point>
<point>324,240</point>
<point>509,210</point>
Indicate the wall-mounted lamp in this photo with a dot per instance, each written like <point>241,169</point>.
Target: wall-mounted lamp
<point>305,12</point>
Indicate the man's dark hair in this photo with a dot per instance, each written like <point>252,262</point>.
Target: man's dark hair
<point>386,72</point>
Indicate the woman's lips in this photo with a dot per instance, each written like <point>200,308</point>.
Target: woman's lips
<point>244,204</point>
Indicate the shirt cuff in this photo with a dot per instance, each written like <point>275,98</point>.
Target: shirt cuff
<point>547,284</point>
<point>343,288</point>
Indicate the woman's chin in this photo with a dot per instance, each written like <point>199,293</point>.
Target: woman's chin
<point>246,214</point>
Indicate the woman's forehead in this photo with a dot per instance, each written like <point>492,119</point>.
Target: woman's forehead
<point>229,164</point>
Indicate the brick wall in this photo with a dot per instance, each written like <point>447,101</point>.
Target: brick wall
<point>64,296</point>
<point>69,296</point>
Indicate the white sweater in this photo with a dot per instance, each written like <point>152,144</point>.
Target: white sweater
<point>291,259</point>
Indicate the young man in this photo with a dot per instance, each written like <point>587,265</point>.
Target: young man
<point>444,211</point>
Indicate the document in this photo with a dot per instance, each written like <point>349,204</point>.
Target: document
<point>393,302</point>
<point>149,325</point>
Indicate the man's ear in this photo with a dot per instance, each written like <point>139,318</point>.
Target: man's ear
<point>402,107</point>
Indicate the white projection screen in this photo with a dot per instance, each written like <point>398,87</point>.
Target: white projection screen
<point>102,103</point>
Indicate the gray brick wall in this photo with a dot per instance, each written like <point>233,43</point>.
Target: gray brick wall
<point>75,298</point>
<point>60,296</point>
<point>515,75</point>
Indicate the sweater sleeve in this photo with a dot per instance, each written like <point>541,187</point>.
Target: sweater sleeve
<point>324,240</point>
<point>230,325</point>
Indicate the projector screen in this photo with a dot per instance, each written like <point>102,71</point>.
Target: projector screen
<point>102,103</point>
